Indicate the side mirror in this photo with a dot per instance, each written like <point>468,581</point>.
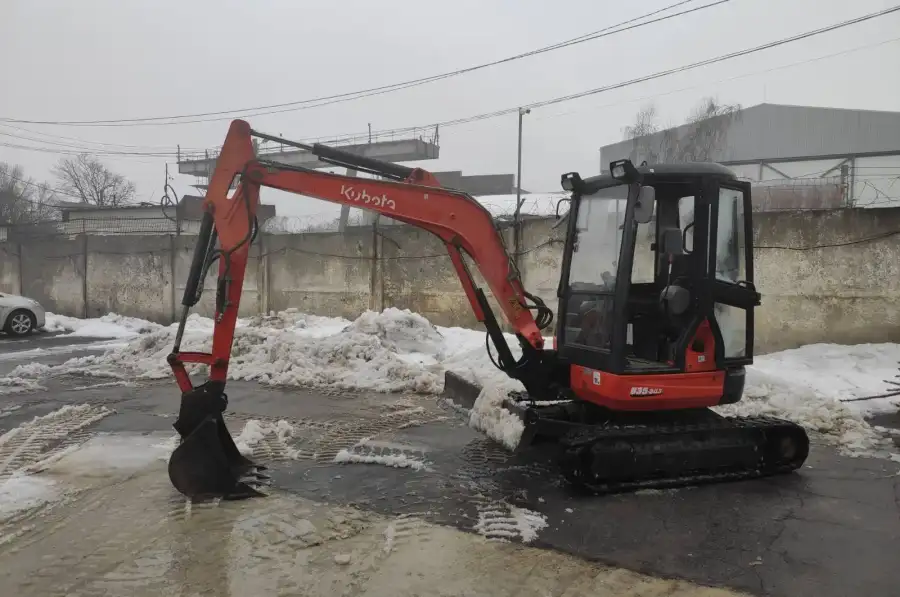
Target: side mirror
<point>558,203</point>
<point>643,207</point>
<point>671,243</point>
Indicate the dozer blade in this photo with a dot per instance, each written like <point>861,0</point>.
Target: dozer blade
<point>207,464</point>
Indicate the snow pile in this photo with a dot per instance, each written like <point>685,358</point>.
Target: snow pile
<point>347,360</point>
<point>256,432</point>
<point>768,395</point>
<point>470,360</point>
<point>489,416</point>
<point>841,373</point>
<point>301,324</point>
<point>142,358</point>
<point>287,349</point>
<point>400,351</point>
<point>400,331</point>
<point>111,325</point>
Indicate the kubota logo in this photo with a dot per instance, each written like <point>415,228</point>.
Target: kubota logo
<point>363,196</point>
<point>643,391</point>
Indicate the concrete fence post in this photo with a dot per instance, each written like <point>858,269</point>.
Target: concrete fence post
<point>263,274</point>
<point>373,272</point>
<point>173,311</point>
<point>84,274</point>
<point>21,272</point>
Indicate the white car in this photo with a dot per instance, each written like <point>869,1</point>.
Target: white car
<point>20,316</point>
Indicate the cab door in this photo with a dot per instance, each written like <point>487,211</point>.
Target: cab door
<point>730,271</point>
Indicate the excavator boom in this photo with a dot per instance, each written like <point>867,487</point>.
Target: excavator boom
<point>410,195</point>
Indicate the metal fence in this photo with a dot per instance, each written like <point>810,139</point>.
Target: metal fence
<point>99,227</point>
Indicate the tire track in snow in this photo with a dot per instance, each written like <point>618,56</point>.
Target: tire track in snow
<point>42,437</point>
<point>345,435</point>
<point>384,453</point>
<point>404,529</point>
<point>500,521</point>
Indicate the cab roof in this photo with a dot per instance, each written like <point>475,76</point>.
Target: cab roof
<point>686,171</point>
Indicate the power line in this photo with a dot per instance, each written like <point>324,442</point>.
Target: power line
<point>348,136</point>
<point>77,152</point>
<point>359,94</point>
<point>82,148</point>
<point>88,142</point>
<point>680,69</point>
<point>595,91</point>
<point>659,74</point>
<point>726,79</point>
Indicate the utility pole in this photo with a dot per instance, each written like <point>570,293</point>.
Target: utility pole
<point>516,225</point>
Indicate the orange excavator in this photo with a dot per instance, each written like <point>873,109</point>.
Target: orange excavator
<point>654,321</point>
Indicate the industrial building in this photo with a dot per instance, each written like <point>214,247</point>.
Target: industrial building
<point>796,156</point>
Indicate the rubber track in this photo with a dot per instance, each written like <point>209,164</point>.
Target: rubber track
<point>584,447</point>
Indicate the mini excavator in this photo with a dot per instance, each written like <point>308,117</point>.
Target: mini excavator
<point>654,322</point>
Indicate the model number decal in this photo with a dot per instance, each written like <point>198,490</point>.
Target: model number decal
<point>643,391</point>
<point>362,196</point>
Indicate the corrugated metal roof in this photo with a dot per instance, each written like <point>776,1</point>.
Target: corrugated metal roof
<point>776,131</point>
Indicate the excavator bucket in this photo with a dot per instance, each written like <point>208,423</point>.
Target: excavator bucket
<point>207,464</point>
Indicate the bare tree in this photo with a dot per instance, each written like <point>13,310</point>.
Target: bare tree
<point>22,200</point>
<point>88,178</point>
<point>644,123</point>
<point>701,139</point>
<point>641,133</point>
<point>707,130</point>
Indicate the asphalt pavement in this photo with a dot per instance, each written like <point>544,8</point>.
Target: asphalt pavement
<point>832,529</point>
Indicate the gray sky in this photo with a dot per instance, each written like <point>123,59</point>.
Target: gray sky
<point>127,59</point>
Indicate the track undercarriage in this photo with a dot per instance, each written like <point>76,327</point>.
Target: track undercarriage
<point>606,452</point>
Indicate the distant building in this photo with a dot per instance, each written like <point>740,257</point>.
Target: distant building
<point>146,218</point>
<point>796,156</point>
<point>478,184</point>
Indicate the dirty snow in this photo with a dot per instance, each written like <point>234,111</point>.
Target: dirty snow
<point>21,492</point>
<point>111,325</point>
<point>840,373</point>
<point>255,432</point>
<point>400,351</point>
<point>18,382</point>
<point>809,385</point>
<point>367,452</point>
<point>499,521</point>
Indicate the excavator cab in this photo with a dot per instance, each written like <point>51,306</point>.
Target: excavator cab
<point>657,278</point>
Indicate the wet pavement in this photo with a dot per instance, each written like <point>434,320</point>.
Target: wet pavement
<point>47,348</point>
<point>832,529</point>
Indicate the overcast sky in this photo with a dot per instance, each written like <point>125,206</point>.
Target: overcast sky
<point>119,59</point>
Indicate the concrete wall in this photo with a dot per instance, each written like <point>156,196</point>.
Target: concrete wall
<point>9,268</point>
<point>124,279</point>
<point>325,274</point>
<point>846,293</point>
